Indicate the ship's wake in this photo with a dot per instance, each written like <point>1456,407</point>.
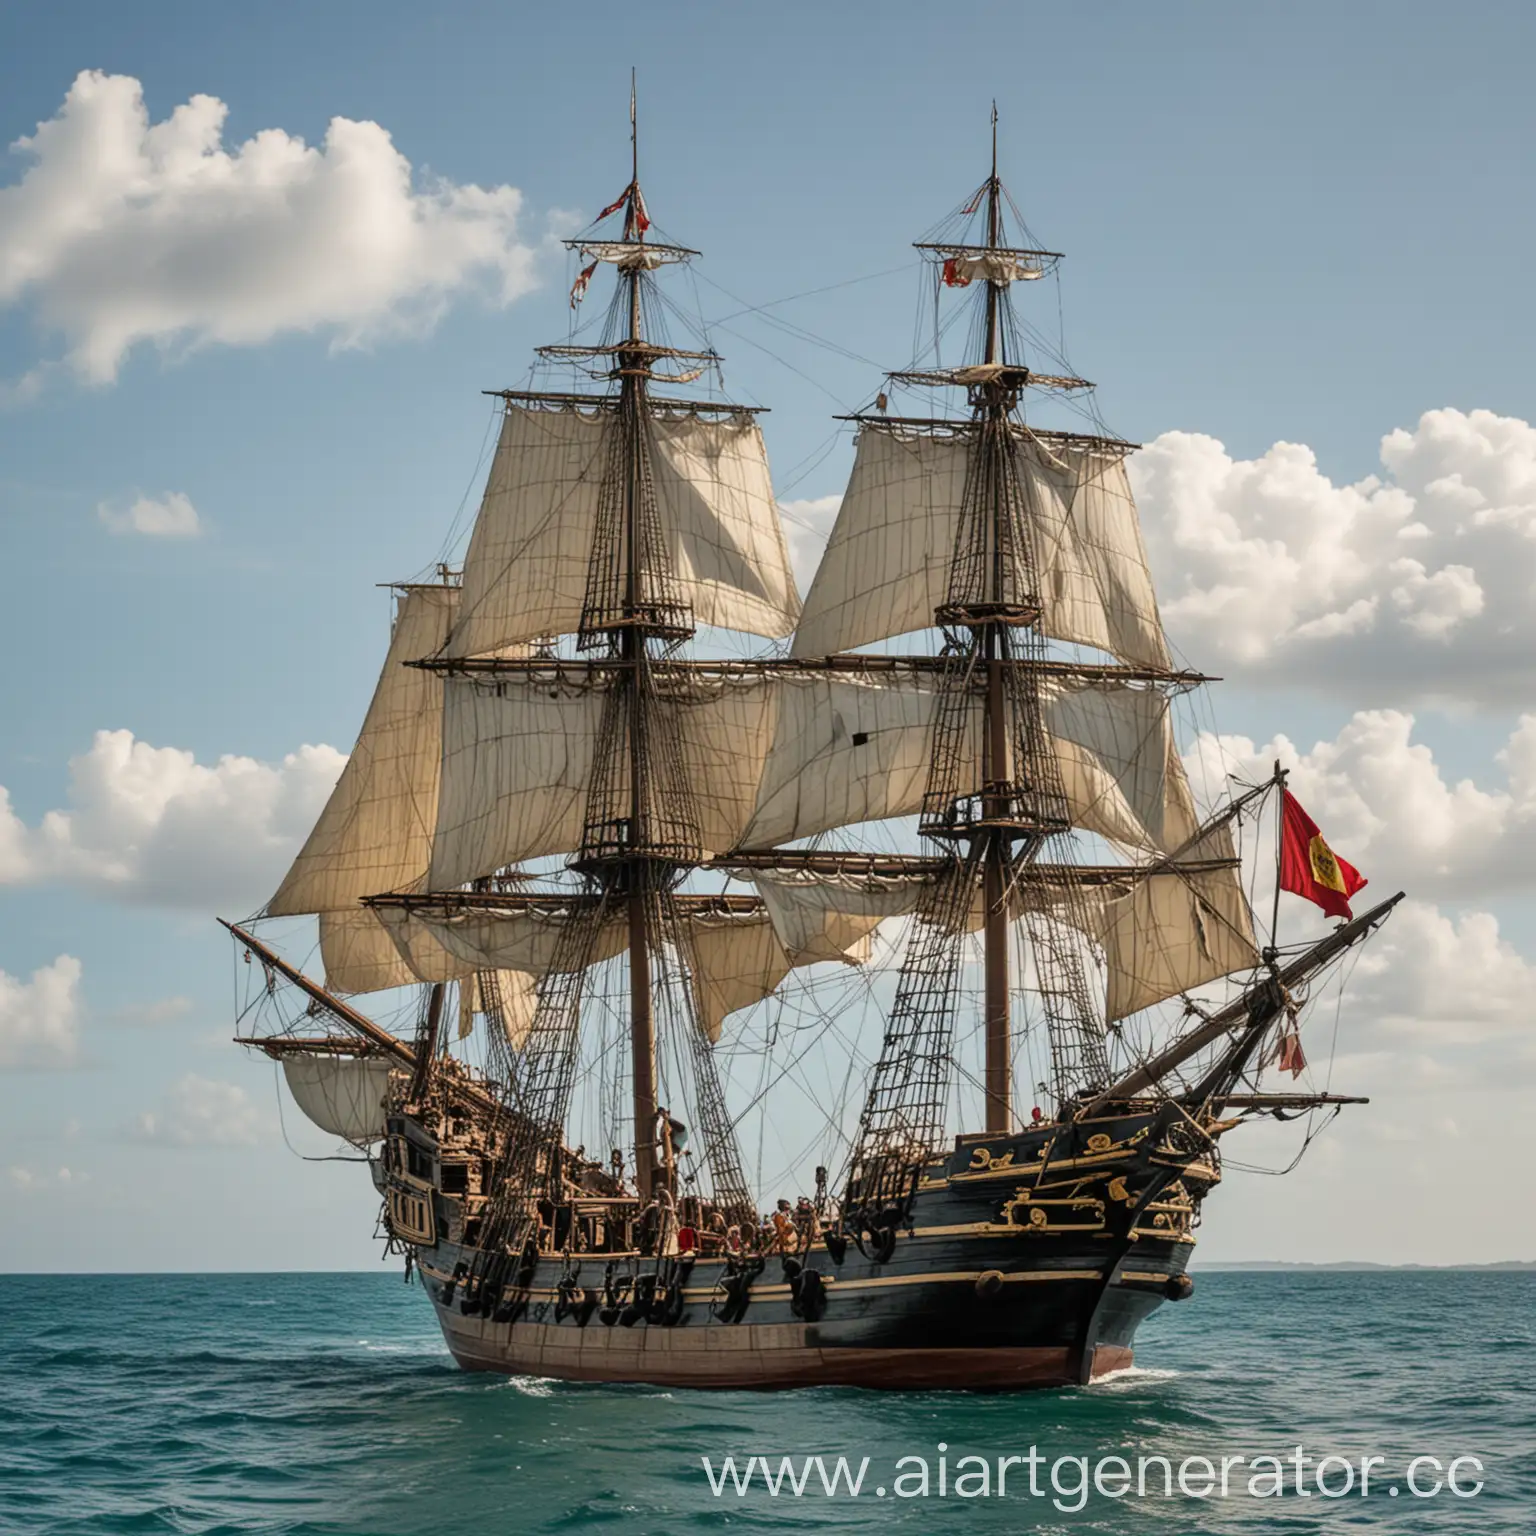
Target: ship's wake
<point>1130,1376</point>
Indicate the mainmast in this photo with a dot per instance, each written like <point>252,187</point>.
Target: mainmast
<point>996,851</point>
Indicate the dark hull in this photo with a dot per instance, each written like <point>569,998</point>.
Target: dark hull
<point>756,1356</point>
<point>933,1332</point>
<point>972,1297</point>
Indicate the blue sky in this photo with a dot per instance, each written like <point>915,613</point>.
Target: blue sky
<point>1310,224</point>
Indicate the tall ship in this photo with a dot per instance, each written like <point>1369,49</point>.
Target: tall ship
<point>643,873</point>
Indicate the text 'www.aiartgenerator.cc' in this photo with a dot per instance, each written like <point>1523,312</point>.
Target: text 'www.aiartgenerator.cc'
<point>1070,1481</point>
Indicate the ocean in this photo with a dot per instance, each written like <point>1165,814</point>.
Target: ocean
<point>327,1404</point>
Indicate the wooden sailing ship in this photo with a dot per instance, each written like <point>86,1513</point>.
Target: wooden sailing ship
<point>552,786</point>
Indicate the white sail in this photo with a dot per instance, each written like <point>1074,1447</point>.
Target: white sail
<point>628,256</point>
<point>375,832</point>
<point>852,749</point>
<point>512,994</point>
<point>518,755</point>
<point>359,955</point>
<point>1177,929</point>
<point>737,962</point>
<point>966,267</point>
<point>343,1095</point>
<point>736,959</point>
<point>525,574</point>
<point>1158,934</point>
<point>887,565</point>
<point>530,940</point>
<point>826,917</point>
<point>1170,934</point>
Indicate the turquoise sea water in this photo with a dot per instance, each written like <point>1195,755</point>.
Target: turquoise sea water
<point>326,1403</point>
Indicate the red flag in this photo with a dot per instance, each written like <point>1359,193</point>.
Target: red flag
<point>975,202</point>
<point>1289,1057</point>
<point>953,276</point>
<point>638,216</point>
<point>616,204</point>
<point>1309,867</point>
<point>579,287</point>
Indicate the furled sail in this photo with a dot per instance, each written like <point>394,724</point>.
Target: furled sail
<point>887,565</point>
<point>628,256</point>
<point>343,1095</point>
<point>518,756</point>
<point>525,573</point>
<point>966,267</point>
<point>852,749</point>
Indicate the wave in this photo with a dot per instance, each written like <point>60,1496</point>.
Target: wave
<point>1133,1375</point>
<point>533,1386</point>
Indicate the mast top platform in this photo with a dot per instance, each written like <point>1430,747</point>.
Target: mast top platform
<point>1008,377</point>
<point>555,398</point>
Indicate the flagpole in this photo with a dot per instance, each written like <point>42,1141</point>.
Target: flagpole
<point>1274,921</point>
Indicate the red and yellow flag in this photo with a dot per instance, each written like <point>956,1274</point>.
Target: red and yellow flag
<point>1309,867</point>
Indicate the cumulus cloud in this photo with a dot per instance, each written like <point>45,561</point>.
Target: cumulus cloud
<point>124,231</point>
<point>1434,1005</point>
<point>1438,1001</point>
<point>40,1018</point>
<point>1415,583</point>
<point>1442,981</point>
<point>1386,806</point>
<point>807,526</point>
<point>152,824</point>
<point>171,517</point>
<point>199,1112</point>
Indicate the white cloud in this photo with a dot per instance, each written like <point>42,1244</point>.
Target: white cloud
<point>40,1018</point>
<point>807,526</point>
<point>171,517</point>
<point>1437,1002</point>
<point>1416,584</point>
<point>152,824</point>
<point>15,855</point>
<point>1444,982</point>
<point>1384,804</point>
<point>199,1112</point>
<point>123,231</point>
<point>29,1181</point>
